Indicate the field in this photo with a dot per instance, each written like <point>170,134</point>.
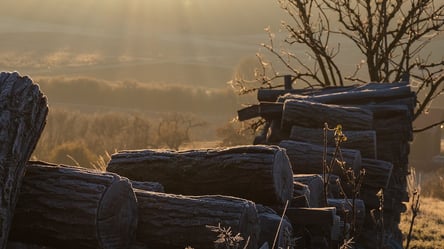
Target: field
<point>428,232</point>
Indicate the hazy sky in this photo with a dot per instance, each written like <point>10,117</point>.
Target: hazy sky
<point>140,38</point>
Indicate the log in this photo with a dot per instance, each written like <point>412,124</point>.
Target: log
<point>344,208</point>
<point>148,186</point>
<point>69,207</point>
<point>275,133</point>
<point>270,222</point>
<point>315,115</point>
<point>362,94</point>
<point>259,173</point>
<point>23,111</point>
<point>176,221</point>
<point>271,95</point>
<point>248,112</point>
<point>311,216</point>
<point>364,141</point>
<point>307,158</point>
<point>377,173</point>
<point>316,187</point>
<point>301,195</point>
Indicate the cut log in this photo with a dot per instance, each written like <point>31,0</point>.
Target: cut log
<point>362,94</point>
<point>270,222</point>
<point>344,208</point>
<point>307,158</point>
<point>258,173</point>
<point>316,187</point>
<point>23,111</point>
<point>248,112</point>
<point>311,216</point>
<point>176,221</point>
<point>301,195</point>
<point>68,207</point>
<point>364,141</point>
<point>377,173</point>
<point>315,115</point>
<point>275,133</point>
<point>148,186</point>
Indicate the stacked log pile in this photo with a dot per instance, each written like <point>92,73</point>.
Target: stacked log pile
<point>377,120</point>
<point>272,191</point>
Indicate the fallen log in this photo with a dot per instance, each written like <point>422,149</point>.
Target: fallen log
<point>307,158</point>
<point>364,141</point>
<point>258,173</point>
<point>176,221</point>
<point>316,187</point>
<point>23,111</point>
<point>315,115</point>
<point>68,207</point>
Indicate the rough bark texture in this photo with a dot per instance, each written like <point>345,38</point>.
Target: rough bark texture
<point>270,223</point>
<point>306,158</point>
<point>362,94</point>
<point>364,141</point>
<point>176,221</point>
<point>351,118</point>
<point>258,173</point>
<point>68,207</point>
<point>23,111</point>
<point>344,208</point>
<point>377,173</point>
<point>148,186</point>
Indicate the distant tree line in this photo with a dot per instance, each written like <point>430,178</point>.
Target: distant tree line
<point>84,139</point>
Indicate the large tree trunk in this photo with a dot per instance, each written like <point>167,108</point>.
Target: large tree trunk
<point>258,173</point>
<point>364,141</point>
<point>23,110</point>
<point>307,158</point>
<point>314,115</point>
<point>176,221</point>
<point>67,207</point>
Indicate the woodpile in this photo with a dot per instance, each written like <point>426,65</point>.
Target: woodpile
<point>376,118</point>
<point>270,192</point>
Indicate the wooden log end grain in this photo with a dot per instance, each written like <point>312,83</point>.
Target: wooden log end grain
<point>70,207</point>
<point>23,111</point>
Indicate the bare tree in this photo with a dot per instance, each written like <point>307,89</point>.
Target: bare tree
<point>392,36</point>
<point>174,129</point>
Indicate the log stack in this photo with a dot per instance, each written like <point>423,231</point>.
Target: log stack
<point>376,117</point>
